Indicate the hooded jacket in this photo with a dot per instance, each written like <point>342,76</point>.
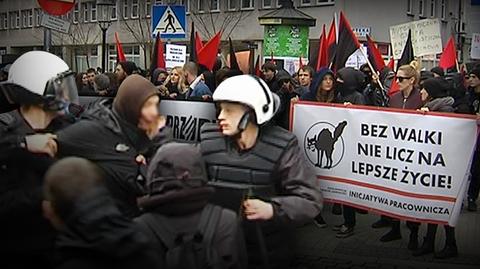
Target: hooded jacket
<point>283,114</point>
<point>177,190</point>
<point>112,140</point>
<point>97,235</point>
<point>311,95</point>
<point>348,91</point>
<point>26,235</point>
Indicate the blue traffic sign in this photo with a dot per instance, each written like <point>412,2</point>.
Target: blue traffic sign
<point>169,21</point>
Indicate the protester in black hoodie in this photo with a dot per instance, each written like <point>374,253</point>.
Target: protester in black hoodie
<point>178,198</point>
<point>119,139</point>
<point>348,85</point>
<point>92,233</point>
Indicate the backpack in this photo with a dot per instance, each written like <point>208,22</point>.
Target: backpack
<point>191,250</point>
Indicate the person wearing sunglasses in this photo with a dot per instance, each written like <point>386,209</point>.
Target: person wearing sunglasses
<point>409,95</point>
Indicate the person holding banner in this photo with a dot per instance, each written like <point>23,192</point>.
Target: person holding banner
<point>408,97</point>
<point>176,85</point>
<point>435,96</point>
<point>258,170</point>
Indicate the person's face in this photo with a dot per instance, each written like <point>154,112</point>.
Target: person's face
<point>424,95</point>
<point>91,76</point>
<point>84,79</point>
<point>474,81</point>
<point>229,117</point>
<point>327,83</point>
<point>149,113</point>
<point>285,83</point>
<point>304,78</point>
<point>121,75</point>
<point>162,77</point>
<point>174,76</point>
<point>404,82</point>
<point>268,74</point>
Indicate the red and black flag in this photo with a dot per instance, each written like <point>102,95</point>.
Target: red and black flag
<point>331,42</point>
<point>374,55</point>
<point>347,43</point>
<point>258,71</point>
<point>407,55</point>
<point>120,55</point>
<point>193,47</point>
<point>233,58</point>
<point>158,60</point>
<point>322,57</point>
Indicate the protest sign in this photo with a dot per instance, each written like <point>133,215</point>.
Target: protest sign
<point>426,37</point>
<point>406,165</point>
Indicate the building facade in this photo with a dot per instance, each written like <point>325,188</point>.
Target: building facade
<point>20,28</point>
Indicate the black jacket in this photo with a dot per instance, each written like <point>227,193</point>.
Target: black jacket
<point>26,237</point>
<point>113,144</point>
<point>97,235</point>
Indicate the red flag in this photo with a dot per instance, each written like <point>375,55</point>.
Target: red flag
<point>322,58</point>
<point>120,54</point>
<point>449,55</point>
<point>300,62</point>
<point>394,88</point>
<point>374,54</point>
<point>208,54</point>
<point>271,58</point>
<point>391,64</point>
<point>331,42</point>
<point>198,42</point>
<point>158,60</point>
<point>347,42</point>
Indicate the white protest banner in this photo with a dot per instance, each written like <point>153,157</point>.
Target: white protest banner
<point>186,117</point>
<point>406,165</point>
<point>475,49</point>
<point>176,55</point>
<point>426,37</point>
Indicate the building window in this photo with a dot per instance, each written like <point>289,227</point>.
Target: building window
<point>113,15</point>
<point>214,5</point>
<point>134,9</point>
<point>232,4</point>
<point>421,8</point>
<point>125,9</point>
<point>266,3</point>
<point>12,15</point>
<point>24,18</point>
<point>433,7</point>
<point>76,13</point>
<point>5,21</point>
<point>201,5</point>
<point>30,17</point>
<point>148,8</point>
<point>85,12</point>
<point>324,2</point>
<point>38,17</point>
<point>93,11</point>
<point>247,4</point>
<point>17,20</point>
<point>444,9</point>
<point>305,2</point>
<point>409,7</point>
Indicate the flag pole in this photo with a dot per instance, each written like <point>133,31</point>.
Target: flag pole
<point>456,63</point>
<point>371,67</point>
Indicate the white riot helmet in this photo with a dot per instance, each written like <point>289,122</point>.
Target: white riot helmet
<point>252,92</point>
<point>46,76</point>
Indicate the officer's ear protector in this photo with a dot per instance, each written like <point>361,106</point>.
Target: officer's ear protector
<point>265,91</point>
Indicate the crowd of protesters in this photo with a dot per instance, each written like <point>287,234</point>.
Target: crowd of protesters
<point>106,187</point>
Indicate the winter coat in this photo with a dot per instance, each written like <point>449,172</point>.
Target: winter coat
<point>113,144</point>
<point>413,101</point>
<point>199,90</point>
<point>444,104</point>
<point>26,236</point>
<point>97,235</point>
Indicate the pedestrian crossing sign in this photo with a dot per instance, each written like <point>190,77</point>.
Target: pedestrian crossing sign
<point>169,21</point>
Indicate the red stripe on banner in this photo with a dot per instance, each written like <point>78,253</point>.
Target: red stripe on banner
<point>386,213</point>
<point>381,188</point>
<point>387,109</point>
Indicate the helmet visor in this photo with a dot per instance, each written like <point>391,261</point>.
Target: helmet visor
<point>63,89</point>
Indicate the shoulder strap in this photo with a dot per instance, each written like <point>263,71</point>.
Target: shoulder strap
<point>159,225</point>
<point>209,221</point>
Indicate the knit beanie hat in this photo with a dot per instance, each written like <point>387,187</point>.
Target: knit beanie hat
<point>436,87</point>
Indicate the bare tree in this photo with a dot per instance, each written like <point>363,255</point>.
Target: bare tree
<point>210,23</point>
<point>140,29</point>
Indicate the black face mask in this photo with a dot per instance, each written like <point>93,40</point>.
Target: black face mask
<point>340,87</point>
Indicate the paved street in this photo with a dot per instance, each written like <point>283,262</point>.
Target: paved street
<point>319,248</point>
